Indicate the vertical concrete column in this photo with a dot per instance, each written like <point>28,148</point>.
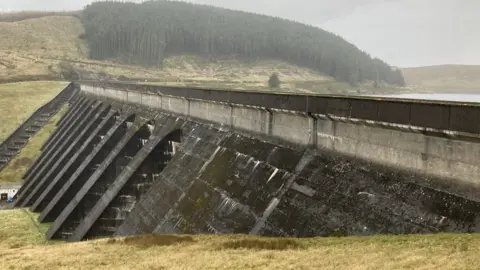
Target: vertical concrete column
<point>187,107</point>
<point>159,101</point>
<point>121,95</point>
<point>268,121</point>
<point>230,122</point>
<point>145,99</point>
<point>101,92</point>
<point>312,123</point>
<point>128,95</point>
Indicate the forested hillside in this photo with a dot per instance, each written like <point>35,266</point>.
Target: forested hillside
<point>147,33</point>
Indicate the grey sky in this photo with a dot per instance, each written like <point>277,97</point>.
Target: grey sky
<point>401,32</point>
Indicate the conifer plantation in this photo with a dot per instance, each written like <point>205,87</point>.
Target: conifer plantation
<point>145,34</point>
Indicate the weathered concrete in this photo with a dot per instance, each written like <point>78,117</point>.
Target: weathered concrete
<point>256,163</point>
<point>86,168</point>
<point>77,106</point>
<point>75,103</point>
<point>55,149</point>
<point>432,152</point>
<point>222,182</point>
<point>67,149</point>
<point>129,185</point>
<point>55,137</point>
<point>97,183</point>
<point>40,168</point>
<point>69,168</point>
<point>61,123</point>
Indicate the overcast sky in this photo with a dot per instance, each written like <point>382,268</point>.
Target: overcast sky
<point>401,32</point>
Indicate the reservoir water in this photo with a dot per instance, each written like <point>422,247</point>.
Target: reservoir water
<point>441,97</point>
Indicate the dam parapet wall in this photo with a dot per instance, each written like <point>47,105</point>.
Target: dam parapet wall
<point>438,140</point>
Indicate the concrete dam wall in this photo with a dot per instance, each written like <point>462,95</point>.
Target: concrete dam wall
<point>134,159</point>
<point>15,142</point>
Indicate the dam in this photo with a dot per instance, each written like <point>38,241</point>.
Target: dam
<point>134,159</point>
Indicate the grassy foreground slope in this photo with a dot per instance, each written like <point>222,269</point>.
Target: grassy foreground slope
<point>19,228</point>
<point>444,78</point>
<point>21,246</point>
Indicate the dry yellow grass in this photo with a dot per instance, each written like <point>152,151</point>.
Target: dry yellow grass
<point>21,247</point>
<point>33,47</point>
<point>25,15</point>
<point>17,167</point>
<point>19,100</point>
<point>19,228</point>
<point>445,77</point>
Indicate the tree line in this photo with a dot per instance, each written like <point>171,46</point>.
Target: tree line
<point>147,33</point>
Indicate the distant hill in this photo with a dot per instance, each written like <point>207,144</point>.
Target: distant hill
<point>444,77</point>
<point>38,46</point>
<point>56,45</point>
<point>147,33</point>
<point>33,47</point>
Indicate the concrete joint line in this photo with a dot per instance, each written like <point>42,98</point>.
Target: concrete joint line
<point>275,201</point>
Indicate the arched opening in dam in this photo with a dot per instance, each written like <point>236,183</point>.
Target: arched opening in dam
<point>137,185</point>
<point>114,164</point>
<point>67,151</point>
<point>100,129</point>
<point>87,168</point>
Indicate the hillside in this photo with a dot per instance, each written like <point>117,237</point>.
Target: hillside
<point>444,78</point>
<point>45,48</point>
<point>147,33</point>
<point>30,47</point>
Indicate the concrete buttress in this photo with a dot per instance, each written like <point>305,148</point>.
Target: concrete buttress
<point>106,171</point>
<point>31,180</point>
<point>88,166</point>
<point>65,152</point>
<point>69,168</point>
<point>125,182</point>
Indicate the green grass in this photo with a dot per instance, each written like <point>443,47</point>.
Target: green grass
<point>22,246</point>
<point>17,167</point>
<point>20,228</point>
<point>19,100</point>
